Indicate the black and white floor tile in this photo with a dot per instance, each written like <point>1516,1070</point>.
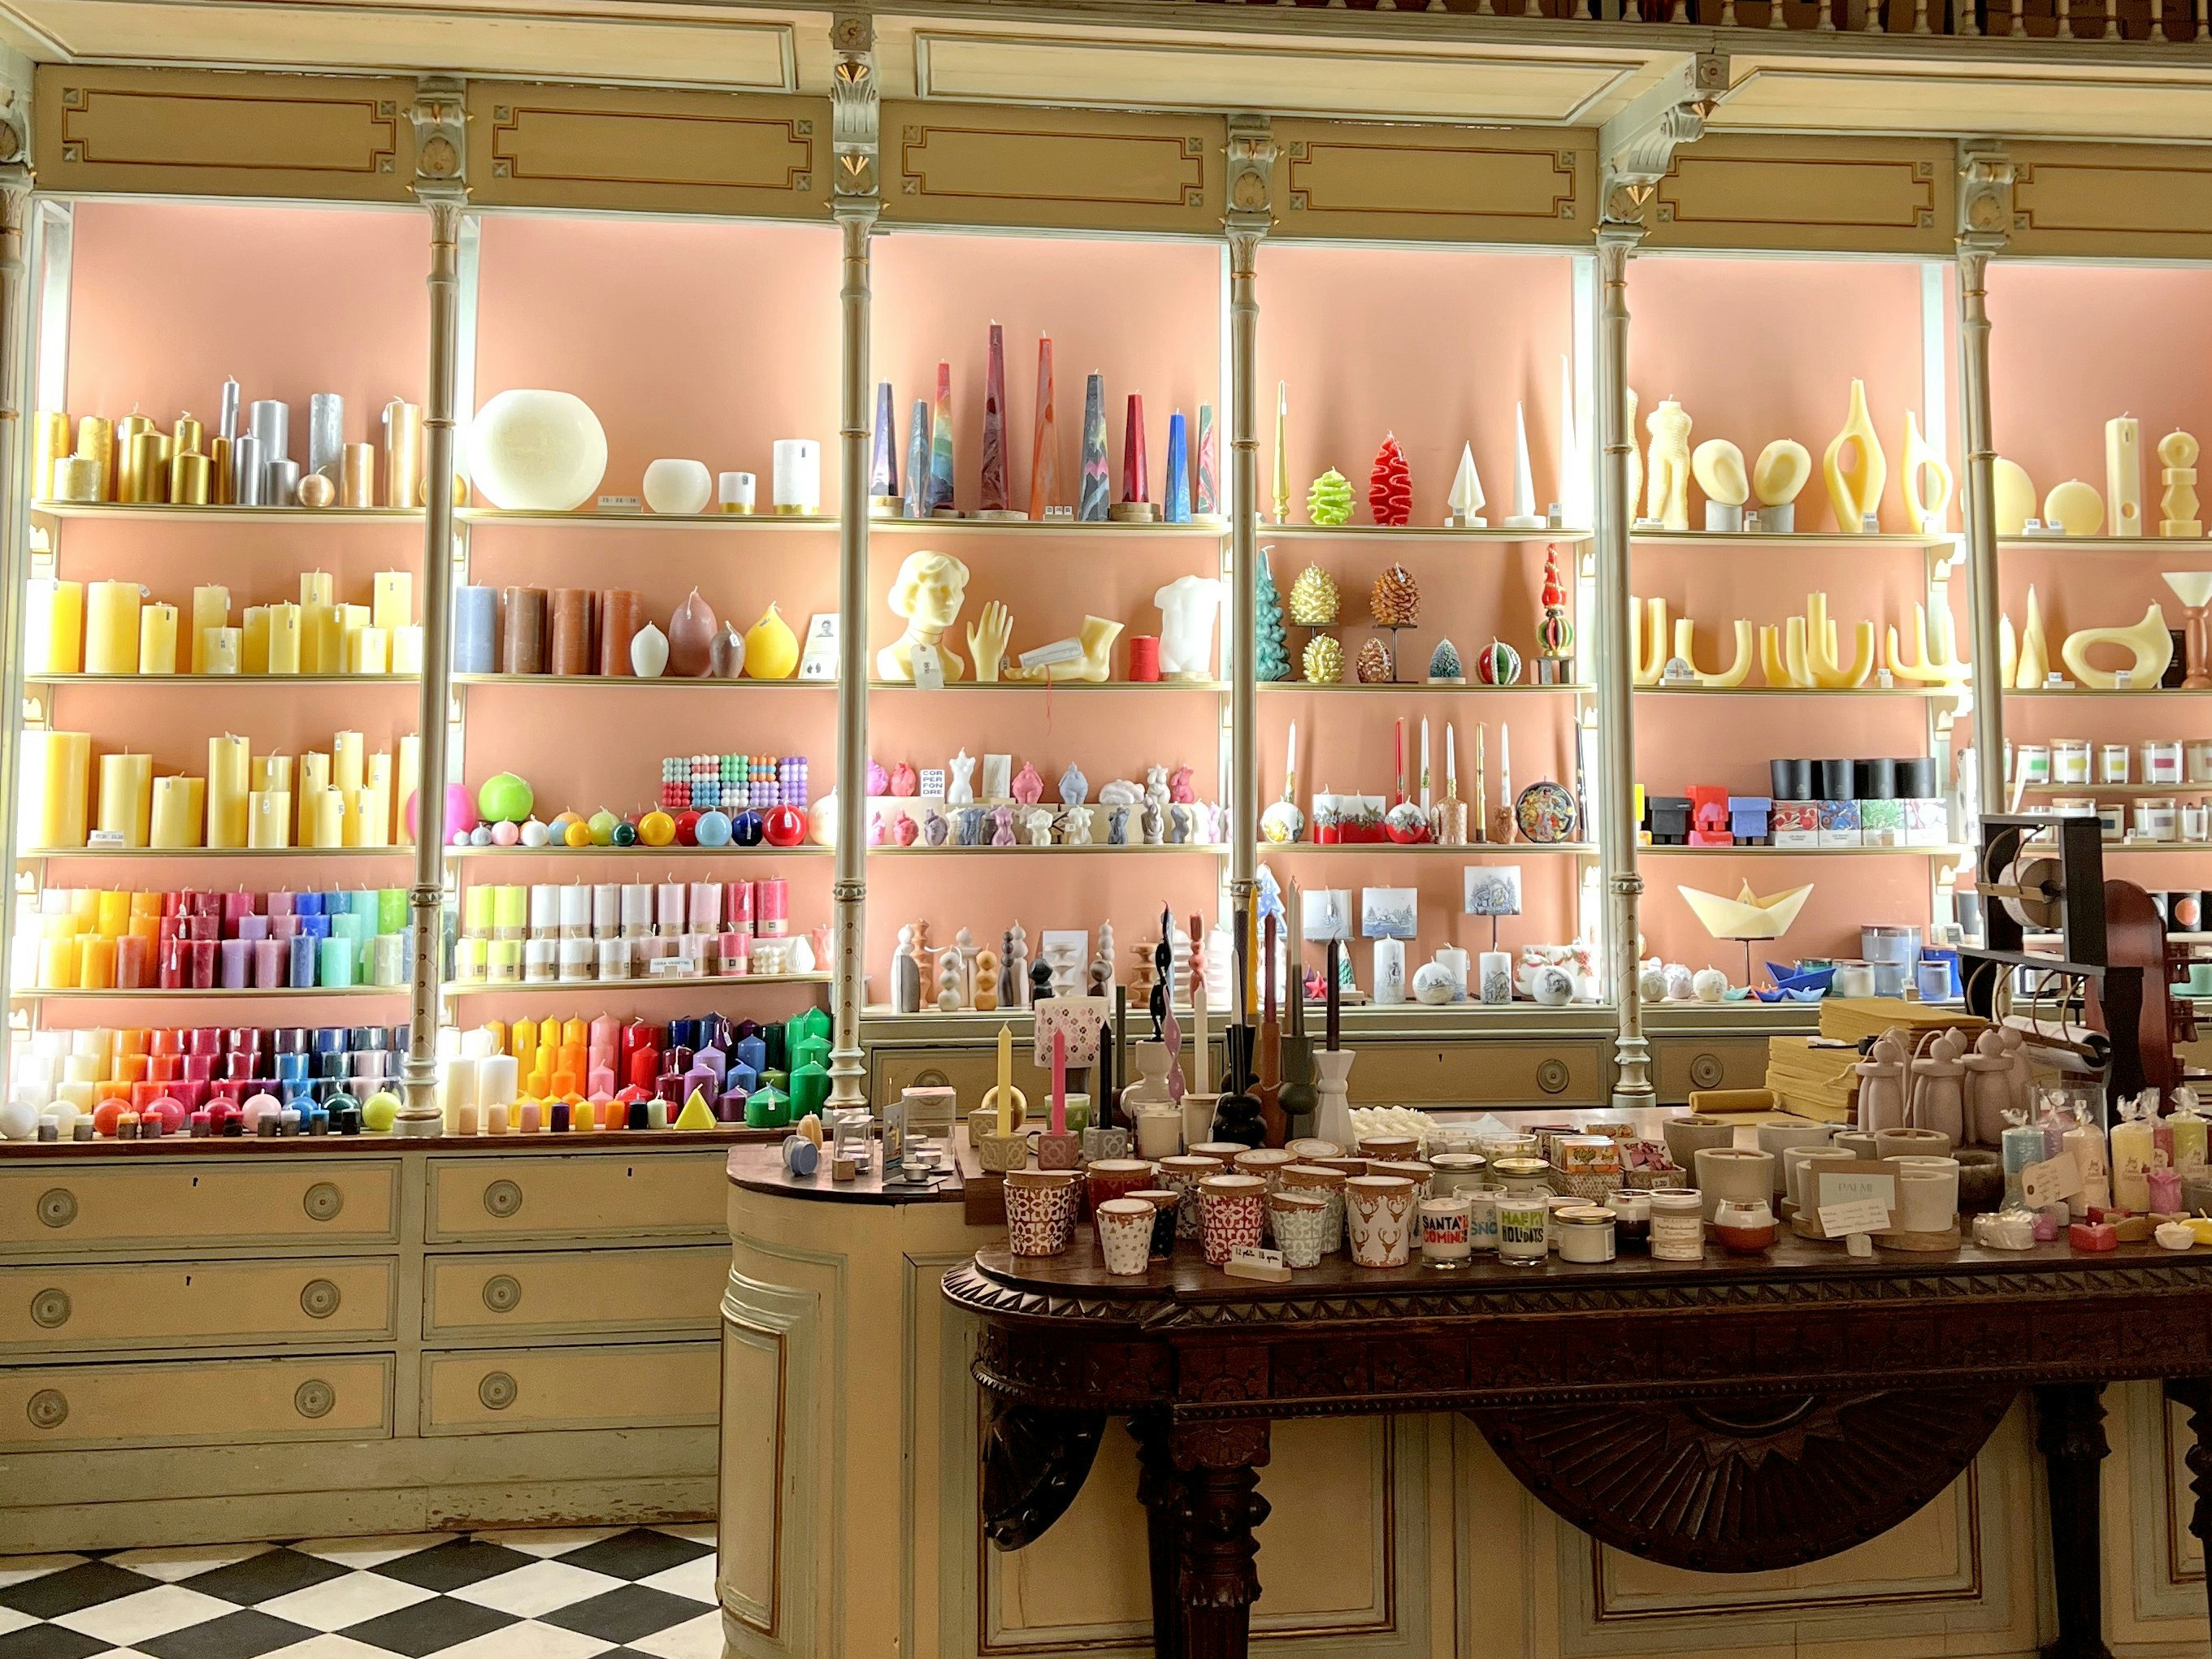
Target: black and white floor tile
<point>601,1593</point>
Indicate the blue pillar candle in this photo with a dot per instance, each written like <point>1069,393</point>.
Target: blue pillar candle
<point>337,963</point>
<point>303,961</point>
<point>475,630</point>
<point>1178,501</point>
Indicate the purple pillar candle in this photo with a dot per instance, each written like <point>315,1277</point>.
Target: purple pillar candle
<point>269,956</point>
<point>237,957</point>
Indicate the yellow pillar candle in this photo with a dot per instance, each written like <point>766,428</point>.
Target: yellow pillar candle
<point>369,818</point>
<point>324,819</point>
<point>126,797</point>
<point>368,651</point>
<point>112,913</point>
<point>349,760</point>
<point>285,650</point>
<point>176,821</point>
<point>254,647</point>
<point>95,964</point>
<point>314,779</point>
<point>269,818</point>
<point>321,644</point>
<point>210,610</point>
<point>393,599</point>
<point>157,639</point>
<point>54,808</point>
<point>49,442</point>
<point>350,618</point>
<point>407,649</point>
<point>272,772</point>
<point>317,588</point>
<point>58,963</point>
<point>407,777</point>
<point>222,649</point>
<point>229,782</point>
<point>110,628</point>
<point>55,627</point>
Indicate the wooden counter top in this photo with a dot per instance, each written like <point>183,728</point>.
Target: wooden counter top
<point>759,1170</point>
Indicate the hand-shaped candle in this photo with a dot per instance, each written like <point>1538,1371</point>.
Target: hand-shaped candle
<point>987,640</point>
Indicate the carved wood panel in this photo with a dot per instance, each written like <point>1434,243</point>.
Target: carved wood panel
<point>1434,184</point>
<point>2114,201</point>
<point>974,164</point>
<point>1856,196</point>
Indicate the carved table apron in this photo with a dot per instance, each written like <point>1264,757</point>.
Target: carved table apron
<point>1725,1415</point>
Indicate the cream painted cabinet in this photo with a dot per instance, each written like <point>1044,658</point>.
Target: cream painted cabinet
<point>194,1305</point>
<point>501,1298</point>
<point>192,1201</point>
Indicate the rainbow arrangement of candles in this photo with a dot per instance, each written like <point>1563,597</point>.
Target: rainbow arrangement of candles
<point>85,938</point>
<point>133,1083</point>
<point>732,783</point>
<point>562,1075</point>
<point>133,460</point>
<point>114,628</point>
<point>345,797</point>
<point>548,932</point>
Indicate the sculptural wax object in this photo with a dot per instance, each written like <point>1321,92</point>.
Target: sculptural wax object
<point>2150,641</point>
<point>539,452</point>
<point>1925,482</point>
<point>1855,491</point>
<point>2177,455</point>
<point>1667,501</point>
<point>2074,508</point>
<point>1465,503</point>
<point>2194,589</point>
<point>2124,474</point>
<point>1780,476</point>
<point>1188,607</point>
<point>680,487</point>
<point>1524,515</point>
<point>990,498</point>
<point>926,595</point>
<point>648,653</point>
<point>1718,465</point>
<point>2012,494</point>
<point>691,638</point>
<point>1044,440</point>
<point>1635,450</point>
<point>772,649</point>
<point>2034,665</point>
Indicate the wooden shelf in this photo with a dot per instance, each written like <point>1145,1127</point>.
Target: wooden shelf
<point>1208,848</point>
<point>631,682</point>
<point>1057,687</point>
<point>1376,533</point>
<point>2106,691</point>
<point>2197,544</point>
<point>1431,849</point>
<point>214,993</point>
<point>171,682</point>
<point>1207,530</point>
<point>643,521</point>
<point>1767,539</point>
<point>569,987</point>
<point>1426,688</point>
<point>1948,850</point>
<point>1911,691</point>
<point>288,516</point>
<point>2114,788</point>
<point>271,853</point>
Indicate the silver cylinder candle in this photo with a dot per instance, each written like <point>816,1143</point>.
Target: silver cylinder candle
<point>226,418</point>
<point>270,422</point>
<point>326,434</point>
<point>282,485</point>
<point>251,480</point>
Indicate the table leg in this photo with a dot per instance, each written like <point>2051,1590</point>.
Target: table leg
<point>2070,1432</point>
<point>2195,1393</point>
<point>1218,1465</point>
<point>1159,1489</point>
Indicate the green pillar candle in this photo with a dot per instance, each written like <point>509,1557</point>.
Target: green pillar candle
<point>335,969</point>
<point>810,1088</point>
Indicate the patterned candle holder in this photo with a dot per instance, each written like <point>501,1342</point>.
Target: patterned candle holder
<point>1380,1220</point>
<point>999,1153</point>
<point>1165,1205</point>
<point>1181,1175</point>
<point>1109,1178</point>
<point>1301,1225</point>
<point>1328,1182</point>
<point>1041,1206</point>
<point>1125,1235</point>
<point>1099,1143</point>
<point>1231,1213</point>
<point>1058,1152</point>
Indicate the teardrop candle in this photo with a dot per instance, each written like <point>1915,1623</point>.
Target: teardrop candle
<point>726,659</point>
<point>690,638</point>
<point>771,648</point>
<point>648,653</point>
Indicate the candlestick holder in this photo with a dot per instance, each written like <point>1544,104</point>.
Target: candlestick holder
<point>1063,1150</point>
<point>1099,1143</point>
<point>1331,1096</point>
<point>2194,589</point>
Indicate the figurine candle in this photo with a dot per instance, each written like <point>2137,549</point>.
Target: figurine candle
<point>1044,447</point>
<point>994,493</point>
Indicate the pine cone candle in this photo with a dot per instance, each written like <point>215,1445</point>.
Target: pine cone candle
<point>1329,501</point>
<point>1444,666</point>
<point>1373,664</point>
<point>1270,661</point>
<point>1390,487</point>
<point>1324,660</point>
<point>1396,598</point>
<point>1313,599</point>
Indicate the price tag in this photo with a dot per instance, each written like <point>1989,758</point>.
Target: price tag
<point>1251,1256</point>
<point>929,667</point>
<point>104,838</point>
<point>1866,1215</point>
<point>2044,1184</point>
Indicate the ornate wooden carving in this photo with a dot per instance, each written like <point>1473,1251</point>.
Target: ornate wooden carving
<point>1034,1463</point>
<point>2195,1394</point>
<point>2070,1432</point>
<point>1219,1580</point>
<point>1746,1487</point>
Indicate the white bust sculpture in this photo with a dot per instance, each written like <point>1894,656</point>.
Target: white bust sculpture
<point>1188,607</point>
<point>927,595</point>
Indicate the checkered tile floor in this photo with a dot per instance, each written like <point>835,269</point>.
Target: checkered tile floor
<point>605,1593</point>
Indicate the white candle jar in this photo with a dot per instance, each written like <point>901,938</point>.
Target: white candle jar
<point>2033,762</point>
<point>1585,1234</point>
<point>1520,1229</point>
<point>2070,761</point>
<point>2156,820</point>
<point>1678,1227</point>
<point>2198,752</point>
<point>2113,760</point>
<point>2162,762</point>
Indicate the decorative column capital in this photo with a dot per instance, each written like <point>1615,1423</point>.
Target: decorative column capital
<point>1251,188</point>
<point>440,119</point>
<point>1637,147</point>
<point>1985,210</point>
<point>854,116</point>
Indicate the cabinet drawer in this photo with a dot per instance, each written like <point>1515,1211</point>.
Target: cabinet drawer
<point>501,1390</point>
<point>579,1196</point>
<point>192,1201</point>
<point>1707,1063</point>
<point>194,1305</point>
<point>206,1402</point>
<point>1429,1073</point>
<point>476,1297</point>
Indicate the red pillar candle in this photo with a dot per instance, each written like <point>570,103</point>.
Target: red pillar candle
<point>570,650</point>
<point>622,614</point>
<point>1136,476</point>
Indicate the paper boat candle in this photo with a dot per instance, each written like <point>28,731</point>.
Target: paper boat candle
<point>1747,915</point>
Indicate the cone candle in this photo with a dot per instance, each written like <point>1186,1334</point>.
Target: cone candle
<point>940,446</point>
<point>1096,491</point>
<point>993,484</point>
<point>1044,447</point>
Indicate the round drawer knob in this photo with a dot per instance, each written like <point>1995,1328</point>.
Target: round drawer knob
<point>502,1294</point>
<point>502,1199</point>
<point>322,1201</point>
<point>58,1207</point>
<point>319,1299</point>
<point>51,1308</point>
<point>1706,1071</point>
<point>1551,1076</point>
<point>314,1398</point>
<point>47,1409</point>
<point>932,1079</point>
<point>497,1391</point>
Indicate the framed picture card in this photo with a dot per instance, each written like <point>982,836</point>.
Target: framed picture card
<point>1390,912</point>
<point>1081,1020</point>
<point>1493,890</point>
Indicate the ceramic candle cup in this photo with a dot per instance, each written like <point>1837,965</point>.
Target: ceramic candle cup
<point>1041,1206</point>
<point>1181,1177</point>
<point>1223,1152</point>
<point>1312,1148</point>
<point>1108,1178</point>
<point>1380,1219</point>
<point>1266,1162</point>
<point>1804,1169</point>
<point>1779,1138</point>
<point>1742,1175</point>
<point>1301,1223</point>
<point>1911,1143</point>
<point>1231,1213</point>
<point>1859,1142</point>
<point>1389,1146</point>
<point>1927,1193</point>
<point>1165,1205</point>
<point>1125,1234</point>
<point>1412,1169</point>
<point>1329,1185</point>
<point>1686,1136</point>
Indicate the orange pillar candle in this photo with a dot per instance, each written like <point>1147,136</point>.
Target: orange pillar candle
<point>622,614</point>
<point>570,650</point>
<point>95,964</point>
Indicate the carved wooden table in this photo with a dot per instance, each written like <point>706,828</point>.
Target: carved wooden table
<point>1730,1416</point>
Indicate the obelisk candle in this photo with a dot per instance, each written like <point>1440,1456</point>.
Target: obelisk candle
<point>991,502</point>
<point>403,452</point>
<point>1135,506</point>
<point>157,639</point>
<point>883,458</point>
<point>1044,445</point>
<point>1097,491</point>
<point>110,628</point>
<point>940,448</point>
<point>1178,500</point>
<point>1208,502</point>
<point>916,500</point>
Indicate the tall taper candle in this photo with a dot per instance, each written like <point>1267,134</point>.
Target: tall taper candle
<point>917,462</point>
<point>1096,489</point>
<point>1208,503</point>
<point>226,422</point>
<point>326,434</point>
<point>993,496</point>
<point>1044,445</point>
<point>940,445</point>
<point>883,451</point>
<point>1136,471</point>
<point>1283,467</point>
<point>1178,496</point>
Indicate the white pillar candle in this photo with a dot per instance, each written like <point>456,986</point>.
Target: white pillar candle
<point>614,958</point>
<point>735,491</point>
<point>636,909</point>
<point>798,475</point>
<point>544,910</point>
<point>606,910</point>
<point>575,912</point>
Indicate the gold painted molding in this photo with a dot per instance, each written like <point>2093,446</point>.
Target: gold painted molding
<point>1435,184</point>
<point>205,132</point>
<point>642,149</point>
<point>950,164</point>
<point>2112,201</point>
<point>1837,196</point>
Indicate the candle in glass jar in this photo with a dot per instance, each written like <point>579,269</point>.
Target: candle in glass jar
<point>110,628</point>
<point>126,796</point>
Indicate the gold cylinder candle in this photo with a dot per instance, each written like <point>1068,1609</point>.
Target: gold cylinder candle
<point>402,451</point>
<point>129,428</point>
<point>145,470</point>
<point>218,467</point>
<point>157,639</point>
<point>192,479</point>
<point>126,796</point>
<point>78,479</point>
<point>190,433</point>
<point>96,441</point>
<point>357,476</point>
<point>50,442</point>
<point>177,804</point>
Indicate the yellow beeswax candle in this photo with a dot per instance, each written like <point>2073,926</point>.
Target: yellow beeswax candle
<point>349,760</point>
<point>56,781</point>
<point>315,778</point>
<point>254,641</point>
<point>407,775</point>
<point>393,599</point>
<point>348,619</point>
<point>369,818</point>
<point>224,646</point>
<point>324,824</point>
<point>407,649</point>
<point>210,610</point>
<point>54,633</point>
<point>110,628</point>
<point>229,782</point>
<point>176,821</point>
<point>368,651</point>
<point>157,639</point>
<point>58,963</point>
<point>285,649</point>
<point>269,818</point>
<point>95,964</point>
<point>126,796</point>
<point>272,772</point>
<point>112,917</point>
<point>49,442</point>
<point>317,588</point>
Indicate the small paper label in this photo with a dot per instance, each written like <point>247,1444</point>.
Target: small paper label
<point>104,838</point>
<point>2044,1184</point>
<point>1253,1256</point>
<point>929,667</point>
<point>820,660</point>
<point>1868,1215</point>
<point>1052,655</point>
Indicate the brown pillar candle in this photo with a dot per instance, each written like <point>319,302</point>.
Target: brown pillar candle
<point>570,653</point>
<point>523,647</point>
<point>621,613</point>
